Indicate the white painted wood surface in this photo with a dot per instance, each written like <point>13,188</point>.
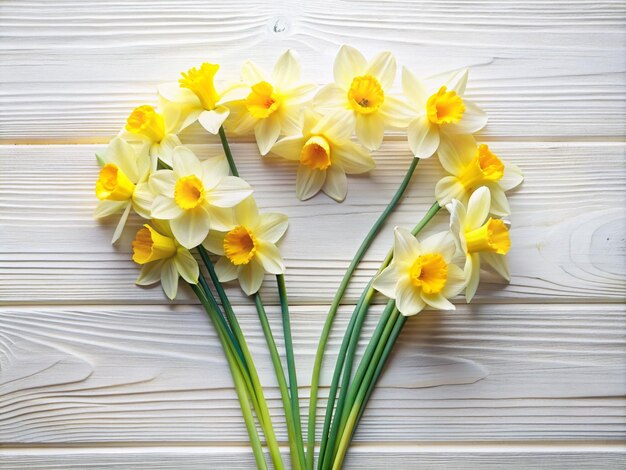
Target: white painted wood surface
<point>98,373</point>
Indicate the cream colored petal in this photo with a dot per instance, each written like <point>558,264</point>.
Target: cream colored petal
<point>512,177</point>
<point>442,243</point>
<point>478,208</point>
<point>186,266</point>
<point>214,242</point>
<point>122,222</point>
<point>234,92</point>
<point>192,227</point>
<point>336,126</point>
<point>383,67</point>
<point>251,74</point>
<point>447,189</point>
<point>348,64</point>
<point>405,245</point>
<point>336,184</point>
<point>163,182</point>
<point>150,273</point>
<point>498,263</point>
<point>271,226</point>
<point>408,299</point>
<point>457,223</point>
<point>269,256</point>
<point>472,276</point>
<point>185,162</point>
<point>387,281</point>
<point>331,98</point>
<point>143,197</point>
<point>414,89</point>
<point>309,121</point>
<point>225,270</point>
<point>473,120</point>
<point>455,282</point>
<point>165,148</point>
<point>213,170</point>
<point>499,202</point>
<point>106,208</point>
<point>289,147</point>
<point>164,208</point>
<point>222,218</point>
<point>290,120</point>
<point>423,137</point>
<point>299,94</point>
<point>309,182</point>
<point>213,120</point>
<point>457,82</point>
<point>247,212</point>
<point>251,277</point>
<point>370,130</point>
<point>123,154</point>
<point>173,116</point>
<point>287,70</point>
<point>169,278</point>
<point>230,191</point>
<point>266,133</point>
<point>456,152</point>
<point>353,158</point>
<point>173,92</point>
<point>437,301</point>
<point>396,113</point>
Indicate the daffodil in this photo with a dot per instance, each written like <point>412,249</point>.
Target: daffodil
<point>439,112</point>
<point>121,184</point>
<point>196,196</point>
<point>325,153</point>
<point>249,249</point>
<point>421,273</point>
<point>156,130</point>
<point>198,97</point>
<point>273,105</point>
<point>361,90</point>
<point>480,238</point>
<point>163,258</point>
<point>472,166</point>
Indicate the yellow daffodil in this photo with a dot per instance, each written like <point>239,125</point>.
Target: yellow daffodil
<point>273,106</point>
<point>479,237</point>
<point>156,130</point>
<point>439,112</point>
<point>121,184</point>
<point>421,273</point>
<point>249,249</point>
<point>325,153</point>
<point>162,258</point>
<point>473,166</point>
<point>361,90</point>
<point>199,99</point>
<point>196,196</point>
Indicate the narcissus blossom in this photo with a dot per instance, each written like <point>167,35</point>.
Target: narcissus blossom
<point>274,105</point>
<point>325,153</point>
<point>196,196</point>
<point>361,90</point>
<point>421,273</point>
<point>121,184</point>
<point>249,249</point>
<point>439,112</point>
<point>479,237</point>
<point>162,258</point>
<point>472,166</point>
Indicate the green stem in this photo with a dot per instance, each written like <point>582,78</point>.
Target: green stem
<point>319,356</point>
<point>291,365</point>
<point>297,462</point>
<point>228,153</point>
<point>264,417</point>
<point>242,394</point>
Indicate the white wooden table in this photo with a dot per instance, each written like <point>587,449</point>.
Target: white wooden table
<point>98,373</point>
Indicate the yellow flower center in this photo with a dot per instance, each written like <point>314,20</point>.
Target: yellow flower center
<point>188,192</point>
<point>113,184</point>
<point>485,167</point>
<point>149,245</point>
<point>430,273</point>
<point>365,94</point>
<point>316,153</point>
<point>493,237</point>
<point>240,245</point>
<point>262,100</point>
<point>445,107</point>
<point>201,83</point>
<point>145,121</point>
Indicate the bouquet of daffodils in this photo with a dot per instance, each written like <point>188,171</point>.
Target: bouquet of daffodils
<point>204,210</point>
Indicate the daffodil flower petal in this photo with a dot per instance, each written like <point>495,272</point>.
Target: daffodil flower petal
<point>251,277</point>
<point>499,202</point>
<point>309,182</point>
<point>408,298</point>
<point>191,227</point>
<point>387,281</point>
<point>221,217</point>
<point>143,198</point>
<point>370,130</point>
<point>150,273</point>
<point>498,263</point>
<point>455,282</point>
<point>331,97</point>
<point>512,177</point>
<point>405,245</point>
<point>472,275</point>
<point>478,208</point>
<point>473,120</point>
<point>185,162</point>
<point>169,278</point>
<point>289,147</point>
<point>120,225</point>
<point>423,137</point>
<point>230,191</point>
<point>106,208</point>
<point>214,242</point>
<point>213,120</point>
<point>286,70</point>
<point>456,152</point>
<point>225,270</point>
<point>437,301</point>
<point>447,189</point>
<point>271,226</point>
<point>164,208</point>
<point>383,67</point>
<point>348,63</point>
<point>336,126</point>
<point>269,257</point>
<point>266,133</point>
<point>163,182</point>
<point>164,150</point>
<point>187,266</point>
<point>336,184</point>
<point>442,243</point>
<point>251,73</point>
<point>457,82</point>
<point>353,158</point>
<point>414,89</point>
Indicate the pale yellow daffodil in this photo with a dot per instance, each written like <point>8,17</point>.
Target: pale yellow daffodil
<point>196,196</point>
<point>122,182</point>
<point>325,153</point>
<point>249,249</point>
<point>274,105</point>
<point>439,112</point>
<point>162,258</point>
<point>472,166</point>
<point>421,273</point>
<point>479,237</point>
<point>362,91</point>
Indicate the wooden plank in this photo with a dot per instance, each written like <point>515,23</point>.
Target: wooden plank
<point>72,72</point>
<point>568,225</point>
<point>156,374</point>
